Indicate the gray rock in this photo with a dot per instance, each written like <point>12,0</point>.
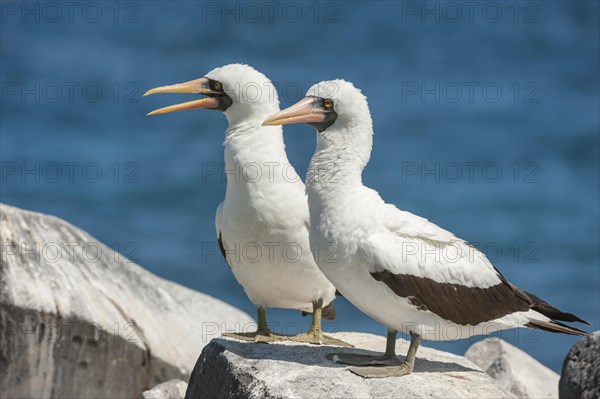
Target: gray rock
<point>80,320</point>
<point>172,389</point>
<point>234,369</point>
<point>514,369</point>
<point>580,376</point>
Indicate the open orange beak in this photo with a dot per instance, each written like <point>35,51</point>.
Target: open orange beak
<point>198,86</point>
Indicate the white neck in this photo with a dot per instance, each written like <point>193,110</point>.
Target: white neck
<point>245,129</point>
<point>250,142</point>
<point>255,157</point>
<point>335,171</point>
<point>250,114</point>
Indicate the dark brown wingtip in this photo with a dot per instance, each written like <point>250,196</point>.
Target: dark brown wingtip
<point>221,246</point>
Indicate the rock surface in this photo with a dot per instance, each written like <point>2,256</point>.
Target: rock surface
<point>172,389</point>
<point>80,320</point>
<point>513,369</point>
<point>234,369</point>
<point>580,376</point>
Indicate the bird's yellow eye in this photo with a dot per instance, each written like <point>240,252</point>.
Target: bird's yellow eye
<point>217,85</point>
<point>327,103</point>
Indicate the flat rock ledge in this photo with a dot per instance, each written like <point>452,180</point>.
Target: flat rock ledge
<point>235,369</point>
<point>79,320</point>
<point>513,369</point>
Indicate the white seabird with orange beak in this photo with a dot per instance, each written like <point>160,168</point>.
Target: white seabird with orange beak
<point>402,270</point>
<point>262,225</point>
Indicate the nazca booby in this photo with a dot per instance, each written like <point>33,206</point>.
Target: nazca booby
<point>262,225</point>
<point>400,269</point>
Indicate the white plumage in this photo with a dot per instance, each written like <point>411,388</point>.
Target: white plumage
<point>264,217</point>
<point>263,221</point>
<point>262,225</point>
<point>373,236</point>
<point>399,268</point>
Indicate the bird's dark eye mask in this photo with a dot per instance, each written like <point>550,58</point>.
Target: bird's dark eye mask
<point>327,105</point>
<point>217,91</point>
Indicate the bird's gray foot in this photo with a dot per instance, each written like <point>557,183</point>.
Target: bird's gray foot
<point>257,336</point>
<point>386,365</point>
<point>262,334</point>
<point>355,359</point>
<point>382,372</point>
<point>315,335</point>
<point>318,338</point>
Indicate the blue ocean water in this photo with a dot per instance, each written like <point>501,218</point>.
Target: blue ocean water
<point>486,122</point>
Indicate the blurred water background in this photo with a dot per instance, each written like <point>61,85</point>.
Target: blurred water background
<point>486,122</point>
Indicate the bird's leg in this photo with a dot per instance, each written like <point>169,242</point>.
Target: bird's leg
<point>393,371</point>
<point>315,335</point>
<point>263,327</point>
<point>387,359</point>
<point>263,332</point>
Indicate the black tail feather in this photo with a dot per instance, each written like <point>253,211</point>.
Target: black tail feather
<point>550,311</point>
<point>544,307</point>
<point>555,326</point>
